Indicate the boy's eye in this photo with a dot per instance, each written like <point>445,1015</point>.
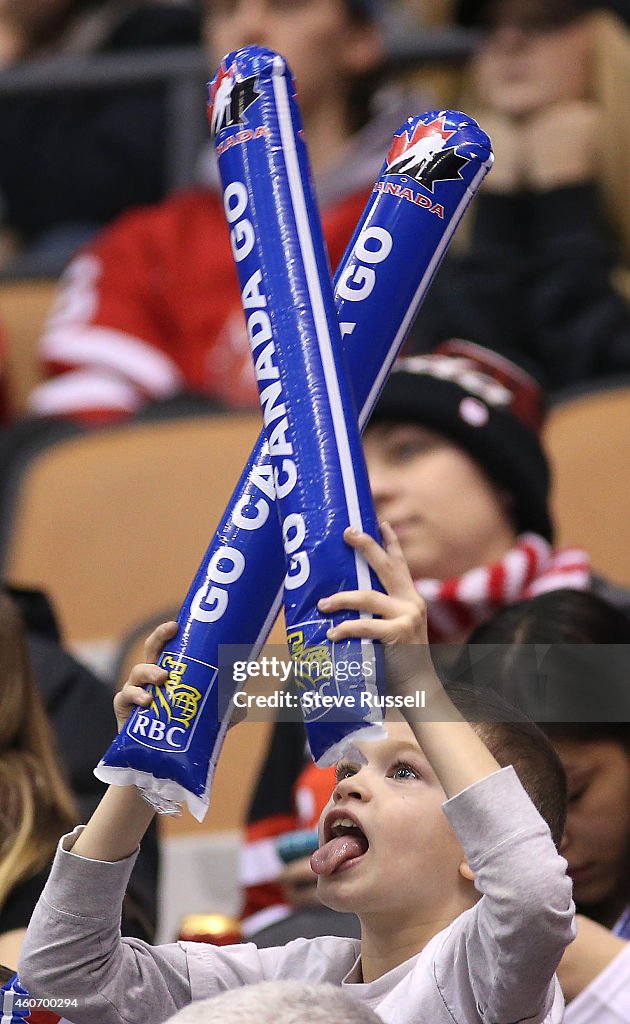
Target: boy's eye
<point>404,771</point>
<point>344,771</point>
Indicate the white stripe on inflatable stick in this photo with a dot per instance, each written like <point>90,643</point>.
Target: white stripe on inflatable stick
<point>296,187</point>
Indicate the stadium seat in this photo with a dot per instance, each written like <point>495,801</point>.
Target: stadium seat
<point>112,524</point>
<point>24,306</point>
<point>588,439</point>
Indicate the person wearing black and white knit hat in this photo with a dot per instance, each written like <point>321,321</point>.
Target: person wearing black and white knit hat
<point>490,407</point>
<point>457,467</point>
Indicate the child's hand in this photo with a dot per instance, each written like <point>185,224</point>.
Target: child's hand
<point>402,613</point>
<point>134,694</point>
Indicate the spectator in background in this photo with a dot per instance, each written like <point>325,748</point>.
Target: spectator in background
<point>37,803</point>
<point>79,711</point>
<point>71,162</point>
<point>568,681</point>
<point>152,307</point>
<point>550,82</point>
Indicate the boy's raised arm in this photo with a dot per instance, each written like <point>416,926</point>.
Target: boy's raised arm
<point>117,826</point>
<point>123,816</point>
<point>458,756</point>
<point>73,952</point>
<point>501,959</point>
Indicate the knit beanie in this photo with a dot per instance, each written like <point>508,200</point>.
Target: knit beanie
<point>486,405</point>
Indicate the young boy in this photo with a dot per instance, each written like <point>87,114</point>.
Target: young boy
<point>432,949</point>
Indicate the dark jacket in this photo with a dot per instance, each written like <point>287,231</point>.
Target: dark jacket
<point>535,286</point>
<point>83,157</point>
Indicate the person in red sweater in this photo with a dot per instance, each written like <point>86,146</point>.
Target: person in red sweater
<point>151,308</point>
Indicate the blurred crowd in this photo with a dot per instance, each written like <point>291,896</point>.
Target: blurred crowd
<point>147,308</point>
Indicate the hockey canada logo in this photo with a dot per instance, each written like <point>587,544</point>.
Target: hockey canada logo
<point>230,98</point>
<point>424,156</point>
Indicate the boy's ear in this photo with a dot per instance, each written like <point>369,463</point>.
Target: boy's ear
<point>466,871</point>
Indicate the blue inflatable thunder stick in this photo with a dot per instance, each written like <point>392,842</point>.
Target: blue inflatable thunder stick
<point>313,438</point>
<point>432,171</point>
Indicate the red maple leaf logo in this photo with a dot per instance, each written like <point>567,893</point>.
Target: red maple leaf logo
<point>403,142</point>
<point>220,77</point>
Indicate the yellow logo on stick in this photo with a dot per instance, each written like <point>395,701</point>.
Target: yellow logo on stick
<point>178,701</point>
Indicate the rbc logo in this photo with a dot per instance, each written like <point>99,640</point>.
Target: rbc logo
<point>154,729</point>
<point>174,709</point>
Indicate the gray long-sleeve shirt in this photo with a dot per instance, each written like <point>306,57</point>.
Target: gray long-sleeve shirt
<point>494,964</point>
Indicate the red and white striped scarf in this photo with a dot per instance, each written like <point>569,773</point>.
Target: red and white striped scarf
<point>456,605</point>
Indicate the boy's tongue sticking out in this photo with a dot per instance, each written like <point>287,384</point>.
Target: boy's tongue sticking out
<point>347,842</point>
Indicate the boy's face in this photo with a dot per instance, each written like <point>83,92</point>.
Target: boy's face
<point>596,843</point>
<point>448,516</point>
<point>404,866</point>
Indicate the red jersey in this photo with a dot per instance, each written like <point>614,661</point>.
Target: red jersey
<point>152,307</point>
